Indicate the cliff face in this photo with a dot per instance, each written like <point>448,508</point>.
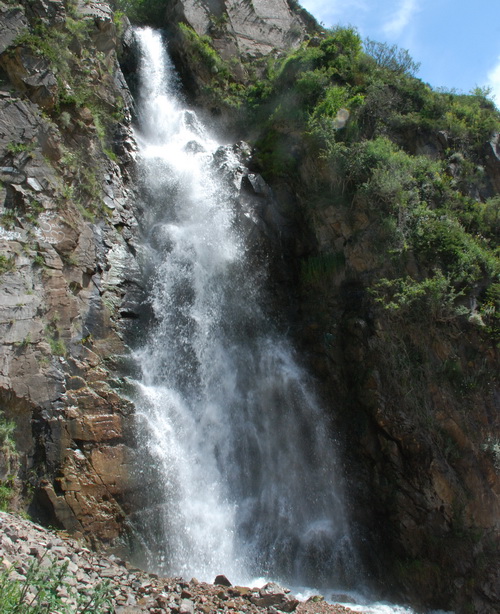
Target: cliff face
<point>68,283</point>
<point>222,46</point>
<point>416,399</point>
<point>242,28</point>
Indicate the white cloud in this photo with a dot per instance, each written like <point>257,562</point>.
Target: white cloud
<point>400,18</point>
<point>494,82</point>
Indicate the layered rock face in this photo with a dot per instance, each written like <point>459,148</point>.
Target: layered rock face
<point>68,282</point>
<point>244,28</point>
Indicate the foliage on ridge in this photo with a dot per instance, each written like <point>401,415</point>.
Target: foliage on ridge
<point>359,111</point>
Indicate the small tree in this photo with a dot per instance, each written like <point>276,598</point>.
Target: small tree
<point>391,57</point>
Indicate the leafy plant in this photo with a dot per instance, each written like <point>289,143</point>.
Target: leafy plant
<point>44,589</point>
<point>391,57</point>
<point>9,453</point>
<point>7,264</point>
<point>57,346</point>
<point>7,428</point>
<point>433,297</point>
<point>15,148</point>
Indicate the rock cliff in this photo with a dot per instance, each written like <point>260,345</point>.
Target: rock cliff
<point>242,28</point>
<point>68,282</point>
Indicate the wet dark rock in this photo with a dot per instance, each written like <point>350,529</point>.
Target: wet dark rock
<point>221,580</point>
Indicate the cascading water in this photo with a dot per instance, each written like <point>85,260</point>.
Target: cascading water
<point>237,450</point>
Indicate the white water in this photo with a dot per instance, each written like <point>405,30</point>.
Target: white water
<point>248,482</point>
<point>239,470</point>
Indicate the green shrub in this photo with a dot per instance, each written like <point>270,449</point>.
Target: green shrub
<point>489,309</point>
<point>142,12</point>
<point>7,428</point>
<point>9,452</point>
<point>391,57</point>
<point>43,592</point>
<point>432,298</point>
<point>333,100</point>
<point>7,264</point>
<point>342,43</point>
<point>441,240</point>
<point>200,49</point>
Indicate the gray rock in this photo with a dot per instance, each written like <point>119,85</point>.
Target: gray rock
<point>186,607</point>
<point>13,23</point>
<point>255,29</point>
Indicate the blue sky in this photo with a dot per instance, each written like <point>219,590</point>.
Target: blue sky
<point>457,42</point>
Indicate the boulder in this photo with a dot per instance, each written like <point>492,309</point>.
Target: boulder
<point>31,75</point>
<point>13,23</point>
<point>274,595</point>
<point>221,580</point>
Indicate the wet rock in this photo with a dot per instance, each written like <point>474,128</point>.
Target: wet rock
<point>221,580</point>
<point>274,595</point>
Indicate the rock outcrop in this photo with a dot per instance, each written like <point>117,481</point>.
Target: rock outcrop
<point>216,45</point>
<point>243,29</point>
<point>70,282</point>
<point>418,407</point>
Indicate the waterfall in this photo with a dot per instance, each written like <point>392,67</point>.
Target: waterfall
<point>237,460</point>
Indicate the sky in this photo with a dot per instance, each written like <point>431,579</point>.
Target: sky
<point>457,42</point>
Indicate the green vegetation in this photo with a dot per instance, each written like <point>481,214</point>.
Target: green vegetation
<point>200,50</point>
<point>391,57</point>
<point>15,148</point>
<point>77,66</point>
<point>57,345</point>
<point>82,185</point>
<point>433,297</point>
<point>9,456</point>
<point>145,12</point>
<point>7,264</point>
<point>222,89</point>
<point>44,591</point>
<point>357,111</point>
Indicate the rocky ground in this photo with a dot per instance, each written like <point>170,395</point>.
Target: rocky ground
<point>131,590</point>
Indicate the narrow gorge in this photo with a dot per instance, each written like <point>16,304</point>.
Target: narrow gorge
<point>249,300</point>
